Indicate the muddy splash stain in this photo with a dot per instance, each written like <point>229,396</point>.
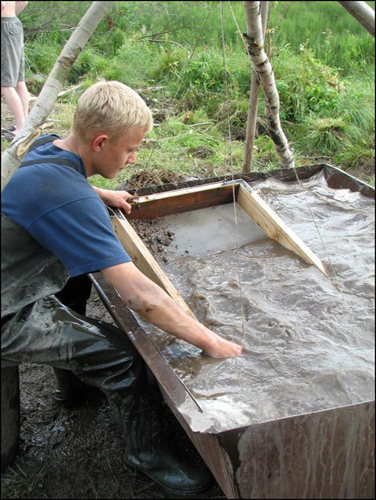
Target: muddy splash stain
<point>309,338</point>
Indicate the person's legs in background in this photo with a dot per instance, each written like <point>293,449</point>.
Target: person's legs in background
<point>23,94</point>
<point>13,86</point>
<point>21,88</point>
<point>16,105</point>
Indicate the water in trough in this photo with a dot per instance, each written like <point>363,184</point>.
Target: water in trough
<point>309,337</point>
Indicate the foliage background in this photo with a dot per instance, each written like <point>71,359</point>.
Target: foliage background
<point>171,52</point>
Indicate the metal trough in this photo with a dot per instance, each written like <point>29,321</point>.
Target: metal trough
<point>323,454</point>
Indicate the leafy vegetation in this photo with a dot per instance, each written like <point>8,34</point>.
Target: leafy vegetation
<point>171,52</point>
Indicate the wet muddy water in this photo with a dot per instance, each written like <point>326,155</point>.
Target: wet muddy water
<point>309,337</point>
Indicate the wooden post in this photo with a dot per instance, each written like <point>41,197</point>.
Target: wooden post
<point>254,39</point>
<point>253,101</point>
<point>363,13</point>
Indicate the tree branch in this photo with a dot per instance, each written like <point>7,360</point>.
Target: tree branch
<point>31,129</point>
<point>363,13</point>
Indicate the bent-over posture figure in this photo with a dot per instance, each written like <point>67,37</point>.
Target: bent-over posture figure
<point>55,226</point>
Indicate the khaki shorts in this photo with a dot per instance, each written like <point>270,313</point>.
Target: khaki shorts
<point>12,52</point>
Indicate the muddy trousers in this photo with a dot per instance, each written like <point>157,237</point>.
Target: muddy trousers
<point>98,354</point>
<point>102,356</point>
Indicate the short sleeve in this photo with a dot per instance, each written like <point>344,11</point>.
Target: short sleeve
<point>80,234</point>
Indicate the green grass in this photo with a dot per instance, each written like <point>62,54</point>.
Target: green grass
<point>323,61</point>
<point>324,64</point>
<point>327,135</point>
<point>335,37</point>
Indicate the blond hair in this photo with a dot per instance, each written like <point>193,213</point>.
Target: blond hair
<point>112,108</point>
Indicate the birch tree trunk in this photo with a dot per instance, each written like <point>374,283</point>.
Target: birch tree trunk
<point>31,129</point>
<point>255,46</point>
<point>253,102</point>
<point>363,13</point>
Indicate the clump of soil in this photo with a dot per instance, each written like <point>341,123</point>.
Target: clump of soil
<point>148,178</point>
<point>155,236</point>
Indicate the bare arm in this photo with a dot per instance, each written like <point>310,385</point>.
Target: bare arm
<point>20,7</point>
<point>116,199</point>
<point>153,304</point>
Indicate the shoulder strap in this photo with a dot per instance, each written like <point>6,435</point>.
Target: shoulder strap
<point>57,161</point>
<point>43,140</point>
<point>51,159</point>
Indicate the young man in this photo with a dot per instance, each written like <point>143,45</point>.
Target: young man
<point>13,85</point>
<point>55,226</point>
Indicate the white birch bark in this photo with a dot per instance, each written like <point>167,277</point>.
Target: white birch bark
<point>31,129</point>
<point>255,46</point>
<point>363,13</point>
<point>253,102</point>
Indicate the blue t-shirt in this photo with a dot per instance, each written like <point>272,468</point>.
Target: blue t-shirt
<point>61,210</point>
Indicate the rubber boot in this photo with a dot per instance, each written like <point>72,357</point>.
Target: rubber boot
<point>68,389</point>
<point>140,423</point>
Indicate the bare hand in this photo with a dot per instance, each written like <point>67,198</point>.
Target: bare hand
<point>224,348</point>
<point>117,199</point>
